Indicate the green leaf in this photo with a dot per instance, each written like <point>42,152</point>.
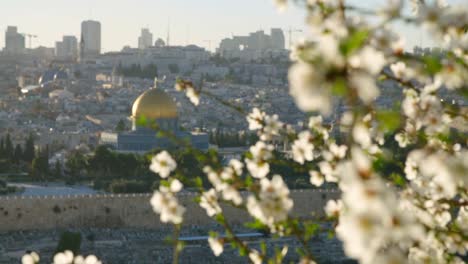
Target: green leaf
<point>198,182</point>
<point>433,65</point>
<point>339,87</point>
<point>398,179</point>
<point>243,251</point>
<point>310,230</point>
<point>141,121</point>
<point>389,120</point>
<point>164,183</point>
<point>220,218</point>
<point>256,225</point>
<point>263,247</point>
<point>248,181</point>
<point>353,42</point>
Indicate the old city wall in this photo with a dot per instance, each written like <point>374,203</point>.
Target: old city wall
<point>125,211</point>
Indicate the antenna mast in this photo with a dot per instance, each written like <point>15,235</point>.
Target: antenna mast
<point>168,38</point>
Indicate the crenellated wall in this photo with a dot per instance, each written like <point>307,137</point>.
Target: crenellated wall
<point>125,211</point>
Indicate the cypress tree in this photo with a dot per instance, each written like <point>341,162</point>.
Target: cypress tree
<point>9,151</point>
<point>2,148</point>
<point>29,152</point>
<point>18,154</point>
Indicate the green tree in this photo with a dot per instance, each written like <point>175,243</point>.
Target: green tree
<point>2,149</point>
<point>120,126</point>
<point>29,151</point>
<point>18,154</point>
<point>76,164</point>
<point>102,160</point>
<point>9,150</point>
<point>69,241</point>
<point>40,166</point>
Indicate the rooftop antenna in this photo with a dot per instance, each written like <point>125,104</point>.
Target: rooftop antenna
<point>168,32</point>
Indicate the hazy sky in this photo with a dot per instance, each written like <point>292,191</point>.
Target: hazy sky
<point>192,21</point>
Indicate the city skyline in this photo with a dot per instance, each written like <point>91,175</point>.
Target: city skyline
<point>52,19</point>
<point>190,22</point>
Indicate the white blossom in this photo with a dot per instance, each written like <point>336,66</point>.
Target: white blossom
<point>307,261</point>
<point>231,194</point>
<point>64,258</point>
<point>316,178</point>
<point>258,165</point>
<point>400,71</point>
<point>329,171</point>
<point>315,121</point>
<point>272,128</point>
<point>308,88</point>
<point>368,59</point>
<point>365,86</point>
<point>67,257</point>
<point>361,135</point>
<point>256,119</point>
<point>255,257</point>
<point>193,95</point>
<point>333,208</point>
<point>258,168</point>
<point>31,258</point>
<point>281,5</point>
<point>165,203</point>
<point>209,202</point>
<point>163,164</point>
<point>273,203</point>
<point>216,245</point>
<point>302,148</point>
<point>335,152</point>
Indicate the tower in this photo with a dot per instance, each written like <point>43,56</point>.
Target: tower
<point>146,39</point>
<point>91,34</point>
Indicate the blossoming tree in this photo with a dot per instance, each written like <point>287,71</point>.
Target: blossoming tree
<point>418,216</point>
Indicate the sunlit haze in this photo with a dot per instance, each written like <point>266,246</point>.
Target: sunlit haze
<point>198,22</point>
<point>191,22</point>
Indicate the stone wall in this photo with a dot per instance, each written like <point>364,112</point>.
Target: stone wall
<point>125,211</point>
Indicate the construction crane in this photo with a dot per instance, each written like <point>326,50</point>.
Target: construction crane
<point>291,31</point>
<point>30,37</point>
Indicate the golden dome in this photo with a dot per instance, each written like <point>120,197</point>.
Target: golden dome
<point>154,104</point>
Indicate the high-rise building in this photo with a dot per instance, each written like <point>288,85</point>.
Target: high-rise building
<point>91,38</point>
<point>146,39</point>
<point>67,48</point>
<point>14,41</point>
<point>277,38</point>
<point>70,44</point>
<point>252,45</point>
<point>59,49</point>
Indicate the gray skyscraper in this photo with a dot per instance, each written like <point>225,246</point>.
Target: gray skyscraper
<point>14,41</point>
<point>91,38</point>
<point>277,38</point>
<point>70,44</point>
<point>146,39</point>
